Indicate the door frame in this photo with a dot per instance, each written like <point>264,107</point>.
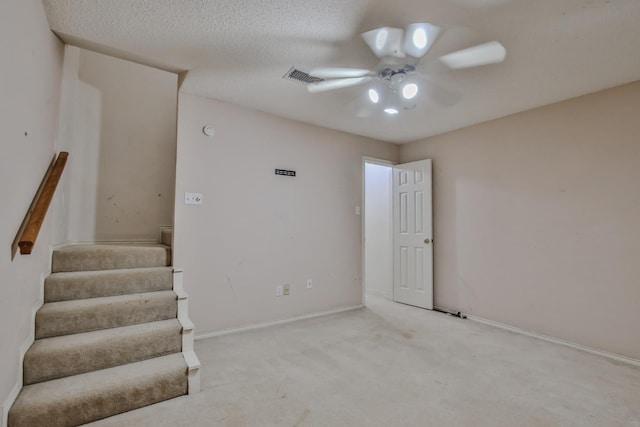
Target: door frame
<point>383,162</point>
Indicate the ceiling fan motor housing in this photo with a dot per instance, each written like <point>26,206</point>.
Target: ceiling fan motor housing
<point>389,72</point>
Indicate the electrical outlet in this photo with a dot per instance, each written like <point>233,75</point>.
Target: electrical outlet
<point>279,291</point>
<point>286,289</point>
<point>309,283</point>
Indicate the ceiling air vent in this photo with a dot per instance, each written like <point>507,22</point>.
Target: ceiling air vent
<point>301,77</point>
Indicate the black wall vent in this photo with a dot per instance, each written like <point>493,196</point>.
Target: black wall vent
<point>301,77</point>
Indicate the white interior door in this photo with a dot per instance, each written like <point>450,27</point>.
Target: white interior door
<point>413,234</point>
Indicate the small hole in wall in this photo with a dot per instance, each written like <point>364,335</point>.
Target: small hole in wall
<point>26,134</point>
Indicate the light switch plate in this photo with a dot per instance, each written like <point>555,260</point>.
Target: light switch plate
<point>192,198</point>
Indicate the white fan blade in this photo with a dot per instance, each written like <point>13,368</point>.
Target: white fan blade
<point>482,54</point>
<point>361,108</point>
<point>339,73</point>
<point>337,84</point>
<point>419,37</point>
<point>440,95</point>
<point>385,41</point>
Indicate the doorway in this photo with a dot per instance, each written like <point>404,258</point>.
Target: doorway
<point>378,231</point>
<point>398,232</point>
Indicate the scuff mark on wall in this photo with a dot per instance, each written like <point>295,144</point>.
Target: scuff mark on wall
<point>231,287</point>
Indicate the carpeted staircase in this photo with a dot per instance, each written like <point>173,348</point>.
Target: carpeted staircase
<point>112,336</point>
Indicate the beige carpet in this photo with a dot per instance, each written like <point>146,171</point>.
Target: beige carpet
<point>107,341</point>
<point>395,365</point>
<point>109,257</point>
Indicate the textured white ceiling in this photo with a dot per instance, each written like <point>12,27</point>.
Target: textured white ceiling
<point>238,50</point>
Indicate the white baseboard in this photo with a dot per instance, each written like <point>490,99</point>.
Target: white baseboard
<point>194,377</point>
<point>9,403</point>
<point>612,356</point>
<point>13,395</point>
<point>57,246</point>
<point>274,323</point>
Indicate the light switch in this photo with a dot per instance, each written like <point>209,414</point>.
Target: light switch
<point>192,198</point>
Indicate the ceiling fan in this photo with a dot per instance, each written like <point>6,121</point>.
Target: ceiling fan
<point>398,80</point>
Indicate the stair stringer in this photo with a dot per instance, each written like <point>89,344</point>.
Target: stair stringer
<point>187,333</point>
<point>26,345</point>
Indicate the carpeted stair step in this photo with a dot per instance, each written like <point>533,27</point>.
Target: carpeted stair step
<point>80,399</point>
<point>92,284</point>
<point>59,357</point>
<point>72,317</point>
<point>109,257</point>
<point>166,236</point>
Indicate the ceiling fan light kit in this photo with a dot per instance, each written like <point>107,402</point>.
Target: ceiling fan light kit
<point>409,91</point>
<point>397,80</point>
<point>374,96</point>
<point>385,41</point>
<point>419,38</point>
<point>395,95</point>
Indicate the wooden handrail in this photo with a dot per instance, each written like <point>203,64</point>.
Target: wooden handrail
<point>40,205</point>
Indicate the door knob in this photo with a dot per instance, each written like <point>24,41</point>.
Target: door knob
<point>427,241</point>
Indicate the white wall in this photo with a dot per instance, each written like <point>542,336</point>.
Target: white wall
<point>79,134</point>
<point>29,99</point>
<point>536,219</point>
<point>119,125</point>
<point>256,230</point>
<point>378,226</point>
